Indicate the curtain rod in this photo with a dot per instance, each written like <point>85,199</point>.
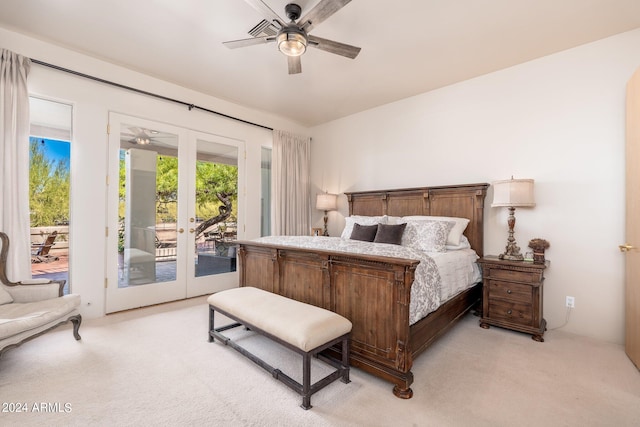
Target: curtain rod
<point>143,92</point>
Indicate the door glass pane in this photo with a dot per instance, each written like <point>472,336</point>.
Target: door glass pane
<point>216,222</point>
<point>148,206</point>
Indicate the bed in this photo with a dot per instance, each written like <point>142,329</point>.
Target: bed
<point>371,289</point>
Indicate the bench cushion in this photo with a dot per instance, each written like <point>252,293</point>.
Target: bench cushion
<point>302,325</point>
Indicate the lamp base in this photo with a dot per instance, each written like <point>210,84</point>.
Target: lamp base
<point>325,232</point>
<point>512,250</point>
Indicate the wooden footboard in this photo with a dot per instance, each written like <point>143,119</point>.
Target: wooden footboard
<point>372,292</point>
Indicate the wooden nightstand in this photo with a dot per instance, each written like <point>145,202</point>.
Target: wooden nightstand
<point>512,295</point>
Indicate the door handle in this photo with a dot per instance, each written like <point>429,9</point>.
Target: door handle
<point>626,247</point>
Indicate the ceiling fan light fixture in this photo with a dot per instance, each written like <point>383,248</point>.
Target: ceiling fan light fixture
<point>292,42</point>
<point>293,38</point>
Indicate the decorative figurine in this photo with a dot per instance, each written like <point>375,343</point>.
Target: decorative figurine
<point>538,246</point>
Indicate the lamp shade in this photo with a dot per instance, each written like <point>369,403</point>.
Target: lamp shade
<point>513,192</point>
<point>327,202</point>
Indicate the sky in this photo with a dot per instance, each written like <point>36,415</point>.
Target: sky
<point>55,150</point>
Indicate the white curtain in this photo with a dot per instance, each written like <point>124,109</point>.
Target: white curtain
<point>14,162</point>
<point>291,184</point>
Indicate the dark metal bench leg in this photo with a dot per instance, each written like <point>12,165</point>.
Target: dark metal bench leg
<point>306,381</point>
<point>345,361</point>
<point>211,323</point>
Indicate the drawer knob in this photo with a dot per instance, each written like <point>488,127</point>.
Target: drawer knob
<point>508,291</point>
<point>508,311</point>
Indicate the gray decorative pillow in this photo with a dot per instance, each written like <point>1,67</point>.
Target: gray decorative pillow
<point>5,297</point>
<point>428,236</point>
<point>365,233</point>
<point>388,233</point>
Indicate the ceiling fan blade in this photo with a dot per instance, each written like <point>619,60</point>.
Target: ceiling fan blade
<point>234,44</point>
<point>322,11</point>
<point>334,47</point>
<point>266,11</point>
<point>295,65</point>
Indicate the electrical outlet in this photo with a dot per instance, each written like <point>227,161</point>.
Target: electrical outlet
<point>571,302</point>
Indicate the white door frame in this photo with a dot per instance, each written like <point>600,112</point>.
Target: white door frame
<point>117,298</point>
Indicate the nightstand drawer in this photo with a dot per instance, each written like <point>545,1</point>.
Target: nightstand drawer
<point>510,312</point>
<point>510,291</point>
<point>513,275</point>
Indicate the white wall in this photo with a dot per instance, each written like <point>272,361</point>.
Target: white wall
<point>92,103</point>
<point>559,120</point>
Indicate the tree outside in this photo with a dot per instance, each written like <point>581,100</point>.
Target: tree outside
<point>48,185</point>
<point>216,193</point>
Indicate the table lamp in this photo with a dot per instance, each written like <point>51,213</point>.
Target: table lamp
<point>326,202</point>
<point>512,193</point>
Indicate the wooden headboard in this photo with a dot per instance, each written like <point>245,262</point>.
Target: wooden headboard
<point>463,201</point>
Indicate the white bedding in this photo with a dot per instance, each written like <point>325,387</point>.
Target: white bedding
<point>458,271</point>
<point>439,276</point>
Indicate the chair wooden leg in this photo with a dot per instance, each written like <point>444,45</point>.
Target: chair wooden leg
<point>76,320</point>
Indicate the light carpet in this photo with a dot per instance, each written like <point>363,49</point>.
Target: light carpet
<point>155,367</point>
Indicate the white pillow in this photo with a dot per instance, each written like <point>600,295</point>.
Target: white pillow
<point>393,220</point>
<point>456,232</point>
<point>5,297</point>
<point>428,236</point>
<point>464,244</point>
<point>362,220</point>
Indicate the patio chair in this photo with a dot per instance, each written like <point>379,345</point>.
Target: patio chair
<point>40,251</point>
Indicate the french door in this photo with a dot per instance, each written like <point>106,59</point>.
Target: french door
<point>174,212</point>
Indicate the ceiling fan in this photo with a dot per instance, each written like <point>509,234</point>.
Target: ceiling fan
<point>293,38</point>
<point>143,136</point>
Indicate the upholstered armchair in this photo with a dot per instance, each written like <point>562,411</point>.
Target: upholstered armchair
<point>30,308</point>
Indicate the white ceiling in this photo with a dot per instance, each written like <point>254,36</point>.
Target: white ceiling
<point>408,46</point>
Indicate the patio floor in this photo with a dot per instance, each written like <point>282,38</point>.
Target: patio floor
<point>59,270</point>
<point>54,270</point>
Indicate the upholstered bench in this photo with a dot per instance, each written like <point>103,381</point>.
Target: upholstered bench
<point>303,328</point>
